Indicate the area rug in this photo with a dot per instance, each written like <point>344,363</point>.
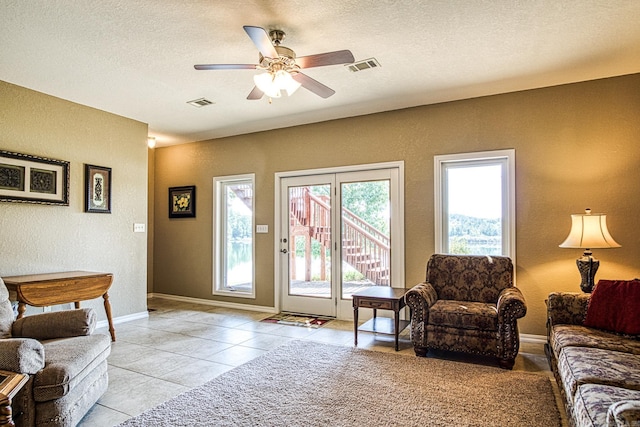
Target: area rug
<point>311,384</point>
<point>298,320</point>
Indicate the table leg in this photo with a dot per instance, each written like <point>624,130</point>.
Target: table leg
<point>355,325</point>
<point>107,309</point>
<point>397,325</point>
<point>22,307</point>
<point>6,418</point>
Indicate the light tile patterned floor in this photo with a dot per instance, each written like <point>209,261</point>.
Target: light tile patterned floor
<point>182,345</point>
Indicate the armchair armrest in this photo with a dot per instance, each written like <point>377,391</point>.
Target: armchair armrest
<point>22,355</point>
<point>567,308</point>
<point>511,305</point>
<point>422,295</point>
<point>57,324</point>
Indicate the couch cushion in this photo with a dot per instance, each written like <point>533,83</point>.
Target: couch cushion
<point>592,402</point>
<point>67,362</point>
<point>583,365</point>
<point>614,306</point>
<point>581,336</point>
<point>464,315</point>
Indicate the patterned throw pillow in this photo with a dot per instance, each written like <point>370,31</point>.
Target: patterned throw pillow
<point>615,306</point>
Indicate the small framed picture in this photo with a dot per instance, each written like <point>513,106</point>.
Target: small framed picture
<point>33,179</point>
<point>97,181</point>
<point>182,202</point>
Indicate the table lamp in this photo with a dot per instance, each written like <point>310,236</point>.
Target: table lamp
<point>588,231</point>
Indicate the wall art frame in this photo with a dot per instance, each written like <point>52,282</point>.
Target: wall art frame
<point>182,202</point>
<point>97,183</point>
<point>26,178</point>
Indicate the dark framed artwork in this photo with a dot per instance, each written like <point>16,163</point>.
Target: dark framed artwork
<point>32,179</point>
<point>182,202</point>
<point>97,182</point>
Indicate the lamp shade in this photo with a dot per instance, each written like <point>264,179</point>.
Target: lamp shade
<point>589,231</point>
<point>271,84</point>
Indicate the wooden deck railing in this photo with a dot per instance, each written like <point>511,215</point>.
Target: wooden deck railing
<point>364,247</point>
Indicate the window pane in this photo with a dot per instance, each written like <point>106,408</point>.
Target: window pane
<point>234,236</point>
<point>366,236</point>
<point>239,226</point>
<point>474,209</point>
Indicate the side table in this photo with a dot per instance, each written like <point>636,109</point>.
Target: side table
<point>380,298</point>
<point>42,290</point>
<point>10,385</point>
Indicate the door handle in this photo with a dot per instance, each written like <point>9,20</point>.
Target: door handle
<point>284,251</point>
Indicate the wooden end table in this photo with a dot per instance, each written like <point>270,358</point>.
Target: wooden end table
<point>380,298</point>
<point>10,384</point>
<point>43,290</point>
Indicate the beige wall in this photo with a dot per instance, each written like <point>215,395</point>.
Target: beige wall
<point>44,238</point>
<point>576,145</point>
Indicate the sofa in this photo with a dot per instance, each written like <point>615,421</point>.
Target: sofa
<point>65,361</point>
<point>596,367</point>
<point>469,304</point>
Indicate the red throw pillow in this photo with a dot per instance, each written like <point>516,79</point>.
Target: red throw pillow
<point>615,306</point>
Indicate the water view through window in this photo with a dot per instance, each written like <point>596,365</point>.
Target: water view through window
<point>474,207</point>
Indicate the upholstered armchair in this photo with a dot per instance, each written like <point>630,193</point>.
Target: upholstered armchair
<point>467,304</point>
<point>65,362</point>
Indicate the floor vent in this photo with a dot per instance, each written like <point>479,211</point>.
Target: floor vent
<point>200,102</point>
<point>364,65</point>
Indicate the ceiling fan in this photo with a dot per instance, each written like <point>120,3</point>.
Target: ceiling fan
<point>282,67</point>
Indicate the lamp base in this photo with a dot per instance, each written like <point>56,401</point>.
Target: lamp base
<point>587,266</point>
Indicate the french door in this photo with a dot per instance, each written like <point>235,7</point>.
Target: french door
<point>338,233</point>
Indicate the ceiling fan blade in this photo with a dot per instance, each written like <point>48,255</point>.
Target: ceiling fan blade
<point>225,67</point>
<point>255,93</point>
<point>313,85</point>
<point>262,41</point>
<point>322,59</point>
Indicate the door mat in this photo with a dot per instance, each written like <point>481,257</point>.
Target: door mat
<point>296,319</point>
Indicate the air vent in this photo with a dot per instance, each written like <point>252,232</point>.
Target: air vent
<point>201,102</point>
<point>363,65</point>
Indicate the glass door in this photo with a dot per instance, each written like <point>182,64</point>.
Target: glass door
<point>340,233</point>
<point>306,248</point>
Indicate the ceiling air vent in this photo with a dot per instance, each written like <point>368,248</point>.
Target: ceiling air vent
<point>200,102</point>
<point>363,65</point>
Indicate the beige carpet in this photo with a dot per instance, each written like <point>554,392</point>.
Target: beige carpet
<point>309,384</point>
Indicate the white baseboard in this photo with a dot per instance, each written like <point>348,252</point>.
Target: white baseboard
<point>213,303</point>
<point>533,339</point>
<point>123,319</point>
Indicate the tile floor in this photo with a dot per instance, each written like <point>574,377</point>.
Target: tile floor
<point>182,345</point>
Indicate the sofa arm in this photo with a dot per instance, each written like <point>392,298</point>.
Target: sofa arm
<point>22,355</point>
<point>625,413</point>
<point>56,324</point>
<point>511,305</point>
<point>567,308</point>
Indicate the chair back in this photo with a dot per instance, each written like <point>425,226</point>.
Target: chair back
<point>6,312</point>
<point>478,278</point>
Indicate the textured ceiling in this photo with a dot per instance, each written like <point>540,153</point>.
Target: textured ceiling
<point>135,58</point>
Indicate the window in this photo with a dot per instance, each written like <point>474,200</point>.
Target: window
<point>475,203</point>
<point>233,255</point>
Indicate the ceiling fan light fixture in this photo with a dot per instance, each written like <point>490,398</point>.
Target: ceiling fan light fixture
<point>272,83</point>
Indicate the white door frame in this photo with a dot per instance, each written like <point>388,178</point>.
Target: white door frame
<point>397,242</point>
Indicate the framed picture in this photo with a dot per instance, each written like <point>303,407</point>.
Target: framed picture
<point>182,202</point>
<point>97,196</point>
<point>32,179</point>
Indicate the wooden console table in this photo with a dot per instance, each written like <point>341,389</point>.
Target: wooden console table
<point>380,298</point>
<point>42,290</point>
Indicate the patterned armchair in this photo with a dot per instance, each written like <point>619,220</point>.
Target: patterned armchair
<point>467,304</point>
